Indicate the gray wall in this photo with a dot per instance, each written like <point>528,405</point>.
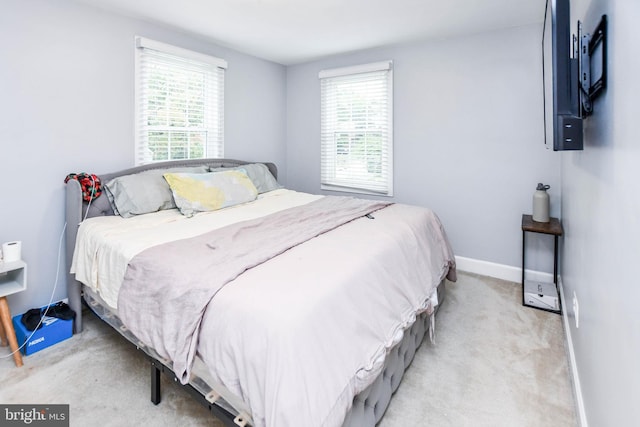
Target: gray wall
<point>468,143</point>
<point>468,136</point>
<point>67,105</point>
<point>601,213</point>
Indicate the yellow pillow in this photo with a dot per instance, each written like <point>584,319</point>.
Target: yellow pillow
<point>203,192</point>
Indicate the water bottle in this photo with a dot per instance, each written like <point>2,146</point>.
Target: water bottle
<point>541,203</point>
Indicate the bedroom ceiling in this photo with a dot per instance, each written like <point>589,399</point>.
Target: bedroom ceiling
<point>296,31</point>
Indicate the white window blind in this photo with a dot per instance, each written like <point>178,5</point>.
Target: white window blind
<point>180,103</point>
<point>357,129</point>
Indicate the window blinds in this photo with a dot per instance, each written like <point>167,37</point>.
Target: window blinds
<point>356,129</point>
<point>180,103</point>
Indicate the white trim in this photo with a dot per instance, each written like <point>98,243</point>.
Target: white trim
<point>499,271</point>
<point>142,42</point>
<point>391,134</point>
<point>577,388</point>
<point>330,187</point>
<point>355,69</point>
<point>137,108</point>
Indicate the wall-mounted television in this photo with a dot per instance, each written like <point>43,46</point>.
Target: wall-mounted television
<point>562,105</point>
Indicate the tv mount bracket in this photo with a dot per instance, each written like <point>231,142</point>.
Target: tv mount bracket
<point>590,90</point>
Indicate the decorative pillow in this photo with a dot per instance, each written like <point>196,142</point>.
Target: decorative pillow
<point>143,192</point>
<point>195,193</point>
<point>259,174</point>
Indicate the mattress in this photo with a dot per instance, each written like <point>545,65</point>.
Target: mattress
<point>201,380</point>
<point>368,406</point>
<point>105,246</point>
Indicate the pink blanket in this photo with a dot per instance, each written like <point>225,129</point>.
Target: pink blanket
<point>297,337</point>
<point>167,288</point>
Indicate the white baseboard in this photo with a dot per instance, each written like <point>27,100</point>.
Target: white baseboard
<point>514,274</point>
<point>499,271</point>
<point>577,388</point>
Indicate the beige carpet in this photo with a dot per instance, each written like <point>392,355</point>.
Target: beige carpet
<point>494,363</point>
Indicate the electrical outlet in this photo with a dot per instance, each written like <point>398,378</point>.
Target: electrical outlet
<point>576,309</point>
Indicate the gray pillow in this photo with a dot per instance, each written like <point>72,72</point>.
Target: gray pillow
<point>143,192</point>
<point>259,174</point>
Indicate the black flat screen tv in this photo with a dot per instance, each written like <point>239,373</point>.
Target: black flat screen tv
<point>562,107</point>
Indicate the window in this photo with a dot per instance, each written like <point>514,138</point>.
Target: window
<point>180,103</point>
<point>356,129</point>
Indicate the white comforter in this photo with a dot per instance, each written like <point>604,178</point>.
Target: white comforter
<point>105,245</point>
<point>300,335</point>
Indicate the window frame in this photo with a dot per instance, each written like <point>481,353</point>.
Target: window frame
<point>329,180</point>
<point>214,121</point>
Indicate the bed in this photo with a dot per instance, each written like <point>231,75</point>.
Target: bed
<point>281,309</point>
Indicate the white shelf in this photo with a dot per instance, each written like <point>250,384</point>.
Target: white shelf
<point>13,277</point>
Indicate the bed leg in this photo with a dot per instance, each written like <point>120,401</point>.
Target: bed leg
<point>155,383</point>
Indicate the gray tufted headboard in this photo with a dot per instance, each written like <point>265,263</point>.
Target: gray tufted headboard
<point>76,211</point>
